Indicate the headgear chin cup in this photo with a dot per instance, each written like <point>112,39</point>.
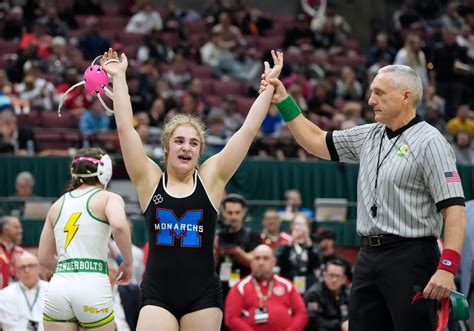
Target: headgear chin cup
<point>104,168</point>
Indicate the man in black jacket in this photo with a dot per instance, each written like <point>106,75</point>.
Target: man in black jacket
<point>327,301</point>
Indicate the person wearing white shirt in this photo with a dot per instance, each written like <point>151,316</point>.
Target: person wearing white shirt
<point>126,300</point>
<point>21,303</point>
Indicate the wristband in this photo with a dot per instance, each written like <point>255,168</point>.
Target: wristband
<point>119,260</point>
<point>288,109</point>
<point>449,261</point>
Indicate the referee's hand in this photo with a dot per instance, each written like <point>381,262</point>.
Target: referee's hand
<point>440,285</point>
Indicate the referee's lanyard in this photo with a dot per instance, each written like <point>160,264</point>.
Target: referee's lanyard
<point>373,209</point>
<point>30,305</point>
<point>262,297</point>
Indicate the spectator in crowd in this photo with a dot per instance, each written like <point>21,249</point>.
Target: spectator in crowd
<point>76,100</point>
<point>299,34</point>
<point>293,206</point>
<point>327,301</point>
<point>434,118</point>
<point>145,19</point>
<point>430,97</point>
<point>462,122</point>
<point>234,242</point>
<point>252,21</point>
<point>405,16</point>
<point>233,120</point>
<point>330,14</point>
<point>178,76</point>
<point>14,26</point>
<point>21,303</point>
<point>211,52</point>
<point>326,240</point>
<point>462,148</point>
<point>53,24</point>
<point>56,64</point>
<point>94,120</point>
<point>126,299</point>
<point>217,135</point>
<point>38,91</point>
<point>67,14</point>
<point>413,56</point>
<point>20,141</point>
<point>92,42</point>
<point>264,301</point>
<point>38,38</point>
<point>300,256</point>
<point>447,58</point>
<point>138,266</point>
<point>157,112</point>
<point>381,46</point>
<point>465,39</point>
<point>451,19</point>
<point>11,233</point>
<point>155,48</point>
<point>227,34</point>
<point>239,66</point>
<point>347,86</point>
<point>271,234</point>
<point>24,185</point>
<point>88,7</point>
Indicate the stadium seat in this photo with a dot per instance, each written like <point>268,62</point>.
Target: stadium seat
<point>201,71</point>
<point>222,87</point>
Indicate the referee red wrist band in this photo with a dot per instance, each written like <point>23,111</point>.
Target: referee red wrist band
<point>288,109</point>
<point>449,260</point>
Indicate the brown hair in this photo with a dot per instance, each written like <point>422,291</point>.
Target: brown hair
<point>85,167</point>
<point>179,120</point>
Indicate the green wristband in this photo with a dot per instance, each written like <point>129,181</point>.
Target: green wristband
<point>288,109</point>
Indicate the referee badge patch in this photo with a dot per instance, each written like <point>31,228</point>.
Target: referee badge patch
<point>403,150</point>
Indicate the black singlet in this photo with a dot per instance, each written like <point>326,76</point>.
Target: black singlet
<point>180,272</point>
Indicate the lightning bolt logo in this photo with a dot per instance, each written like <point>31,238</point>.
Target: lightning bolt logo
<point>71,228</point>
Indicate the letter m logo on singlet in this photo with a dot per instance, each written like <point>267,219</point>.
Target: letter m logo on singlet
<point>171,227</point>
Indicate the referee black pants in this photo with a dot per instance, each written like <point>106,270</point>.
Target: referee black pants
<point>383,286</point>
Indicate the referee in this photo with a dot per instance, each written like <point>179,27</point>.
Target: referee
<point>407,185</point>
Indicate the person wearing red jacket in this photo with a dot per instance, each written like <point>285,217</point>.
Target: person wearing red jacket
<point>11,233</point>
<point>264,301</point>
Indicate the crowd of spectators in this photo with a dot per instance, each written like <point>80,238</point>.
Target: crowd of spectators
<point>208,63</point>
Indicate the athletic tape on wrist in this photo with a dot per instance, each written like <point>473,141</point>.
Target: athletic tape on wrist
<point>449,261</point>
<point>288,109</point>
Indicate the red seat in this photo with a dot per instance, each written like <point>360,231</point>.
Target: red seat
<point>50,119</point>
<point>197,27</point>
<point>200,71</point>
<point>269,43</point>
<point>244,104</point>
<point>50,139</point>
<point>33,119</point>
<point>222,87</point>
<point>8,46</point>
<point>171,39</point>
<point>129,38</point>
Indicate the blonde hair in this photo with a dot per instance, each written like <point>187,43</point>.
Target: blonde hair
<point>180,120</point>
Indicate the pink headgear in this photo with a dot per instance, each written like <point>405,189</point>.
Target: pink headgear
<point>95,82</point>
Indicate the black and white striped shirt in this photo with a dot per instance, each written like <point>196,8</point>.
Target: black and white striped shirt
<point>417,177</point>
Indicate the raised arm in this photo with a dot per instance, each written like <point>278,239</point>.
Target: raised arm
<point>218,169</point>
<point>115,212</point>
<point>307,134</point>
<point>143,171</point>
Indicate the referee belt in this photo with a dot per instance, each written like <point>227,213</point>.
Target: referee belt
<point>384,239</point>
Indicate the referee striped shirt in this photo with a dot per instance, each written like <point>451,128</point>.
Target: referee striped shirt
<point>417,177</point>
